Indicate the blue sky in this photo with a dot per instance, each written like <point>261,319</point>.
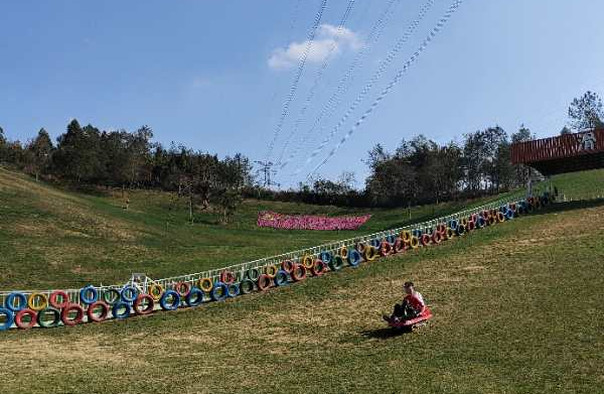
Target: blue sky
<point>215,75</point>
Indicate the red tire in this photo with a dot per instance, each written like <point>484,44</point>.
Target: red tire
<point>92,317</point>
<point>288,266</point>
<point>264,282</point>
<point>318,268</point>
<point>139,302</point>
<point>385,248</point>
<point>182,288</point>
<point>24,325</point>
<point>54,302</point>
<point>70,308</point>
<point>437,237</point>
<point>298,273</point>
<point>425,240</point>
<point>399,246</point>
<point>471,225</point>
<point>227,277</point>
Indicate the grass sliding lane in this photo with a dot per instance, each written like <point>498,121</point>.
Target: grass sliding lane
<point>518,308</point>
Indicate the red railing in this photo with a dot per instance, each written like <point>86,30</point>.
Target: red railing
<point>567,145</point>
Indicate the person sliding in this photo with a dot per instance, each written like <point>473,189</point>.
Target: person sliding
<point>412,306</point>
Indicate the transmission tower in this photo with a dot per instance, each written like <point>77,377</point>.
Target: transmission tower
<point>266,169</point>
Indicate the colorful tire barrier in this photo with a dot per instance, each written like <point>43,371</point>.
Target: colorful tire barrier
<point>26,309</point>
<point>55,318</point>
<point>195,297</point>
<point>97,311</point>
<point>9,318</point>
<point>25,318</point>
<point>66,317</point>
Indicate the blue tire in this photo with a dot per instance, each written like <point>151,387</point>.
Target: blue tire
<point>10,318</point>
<point>121,310</point>
<point>375,243</point>
<point>480,222</point>
<point>509,214</point>
<point>391,239</point>
<point>354,257</point>
<point>89,295</point>
<point>326,257</point>
<point>9,303</point>
<point>453,225</point>
<point>220,291</point>
<point>281,278</point>
<point>233,290</point>
<point>195,297</point>
<point>129,293</point>
<point>170,300</point>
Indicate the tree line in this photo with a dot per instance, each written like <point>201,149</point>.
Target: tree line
<point>85,156</point>
<point>418,171</point>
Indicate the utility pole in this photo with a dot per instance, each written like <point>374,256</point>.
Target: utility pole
<point>266,171</point>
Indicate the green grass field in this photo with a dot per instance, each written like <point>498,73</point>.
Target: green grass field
<point>518,306</point>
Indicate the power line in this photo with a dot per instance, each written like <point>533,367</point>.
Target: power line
<point>439,26</point>
<point>374,79</point>
<point>298,75</point>
<point>317,79</point>
<point>331,105</point>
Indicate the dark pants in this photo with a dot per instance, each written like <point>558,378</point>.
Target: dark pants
<point>404,311</point>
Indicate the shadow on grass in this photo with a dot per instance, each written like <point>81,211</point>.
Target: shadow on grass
<point>569,206</point>
<point>386,333</point>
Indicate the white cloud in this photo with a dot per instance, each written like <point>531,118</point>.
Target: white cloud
<point>328,40</point>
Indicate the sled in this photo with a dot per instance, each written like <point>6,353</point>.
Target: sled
<point>424,316</point>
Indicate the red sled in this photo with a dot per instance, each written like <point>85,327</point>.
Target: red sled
<point>424,316</point>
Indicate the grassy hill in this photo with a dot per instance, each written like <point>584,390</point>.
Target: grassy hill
<point>52,238</point>
<point>518,308</point>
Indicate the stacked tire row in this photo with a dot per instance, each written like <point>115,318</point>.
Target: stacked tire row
<point>93,304</point>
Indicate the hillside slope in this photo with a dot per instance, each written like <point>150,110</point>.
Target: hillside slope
<point>517,309</point>
<point>52,238</point>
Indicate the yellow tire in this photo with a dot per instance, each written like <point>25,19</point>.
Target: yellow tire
<point>206,284</point>
<point>414,242</point>
<point>370,253</point>
<point>405,236</point>
<point>271,271</point>
<point>343,252</point>
<point>308,262</point>
<point>155,291</point>
<point>37,301</point>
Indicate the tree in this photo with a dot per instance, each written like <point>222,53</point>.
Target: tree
<point>585,113</point>
<point>78,153</point>
<point>40,149</point>
<point>521,171</point>
<point>3,147</point>
<point>565,130</point>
